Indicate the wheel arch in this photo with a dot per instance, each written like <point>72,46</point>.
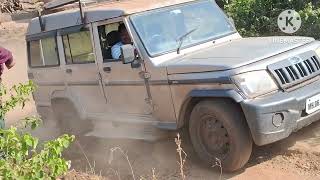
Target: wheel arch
<point>195,96</point>
<point>63,95</point>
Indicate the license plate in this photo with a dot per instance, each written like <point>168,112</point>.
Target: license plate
<point>313,104</point>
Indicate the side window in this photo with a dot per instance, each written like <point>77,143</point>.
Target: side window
<point>78,48</point>
<point>112,37</point>
<point>43,52</point>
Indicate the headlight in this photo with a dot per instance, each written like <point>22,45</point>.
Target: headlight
<point>255,83</point>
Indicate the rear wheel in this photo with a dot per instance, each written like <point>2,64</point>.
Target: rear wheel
<point>218,132</point>
<point>68,118</point>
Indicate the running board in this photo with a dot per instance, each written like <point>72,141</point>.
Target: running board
<point>123,130</point>
<point>128,126</point>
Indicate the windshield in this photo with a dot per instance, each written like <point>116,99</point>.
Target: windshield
<point>161,30</point>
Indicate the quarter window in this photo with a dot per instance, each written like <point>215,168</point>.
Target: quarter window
<point>78,48</point>
<point>43,52</point>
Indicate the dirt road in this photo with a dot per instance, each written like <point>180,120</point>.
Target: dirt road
<point>297,157</point>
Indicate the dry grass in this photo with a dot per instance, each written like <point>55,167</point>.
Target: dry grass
<point>182,156</point>
<point>154,177</point>
<point>218,164</point>
<point>92,171</point>
<point>125,155</point>
<point>90,175</point>
<point>74,175</point>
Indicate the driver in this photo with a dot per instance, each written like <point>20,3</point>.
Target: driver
<point>124,39</point>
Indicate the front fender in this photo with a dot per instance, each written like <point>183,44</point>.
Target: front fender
<point>197,95</point>
<point>221,93</point>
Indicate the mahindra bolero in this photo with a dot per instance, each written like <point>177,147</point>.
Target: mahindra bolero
<point>185,66</point>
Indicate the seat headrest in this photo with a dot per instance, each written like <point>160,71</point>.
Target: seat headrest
<point>113,37</point>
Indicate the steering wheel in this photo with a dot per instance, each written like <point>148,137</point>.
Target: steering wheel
<point>155,41</point>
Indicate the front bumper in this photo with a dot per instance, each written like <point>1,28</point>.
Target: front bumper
<point>276,116</point>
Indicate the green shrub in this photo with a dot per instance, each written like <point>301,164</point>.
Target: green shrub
<point>21,155</point>
<point>310,21</point>
<point>22,160</point>
<point>259,17</point>
<point>16,96</point>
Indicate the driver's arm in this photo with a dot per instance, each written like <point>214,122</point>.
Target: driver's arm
<point>116,50</point>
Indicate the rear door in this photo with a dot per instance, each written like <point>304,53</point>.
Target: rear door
<point>81,71</point>
<point>44,66</point>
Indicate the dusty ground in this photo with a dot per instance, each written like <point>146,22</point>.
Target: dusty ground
<point>297,157</point>
<point>75,175</point>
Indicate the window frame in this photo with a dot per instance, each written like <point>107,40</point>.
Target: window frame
<point>109,23</point>
<point>77,29</point>
<point>39,37</point>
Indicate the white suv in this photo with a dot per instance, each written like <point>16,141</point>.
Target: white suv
<point>187,66</point>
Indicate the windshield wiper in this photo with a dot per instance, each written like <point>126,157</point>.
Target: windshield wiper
<point>183,37</point>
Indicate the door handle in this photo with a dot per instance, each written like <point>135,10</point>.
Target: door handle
<point>69,71</point>
<point>107,69</point>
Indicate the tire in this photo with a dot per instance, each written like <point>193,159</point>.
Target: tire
<point>68,118</point>
<point>218,130</point>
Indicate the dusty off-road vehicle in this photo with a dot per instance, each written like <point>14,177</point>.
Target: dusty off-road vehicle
<point>187,66</point>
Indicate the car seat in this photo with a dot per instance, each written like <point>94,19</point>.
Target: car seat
<point>113,38</point>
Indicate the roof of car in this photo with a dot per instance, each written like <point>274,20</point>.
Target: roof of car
<point>96,12</point>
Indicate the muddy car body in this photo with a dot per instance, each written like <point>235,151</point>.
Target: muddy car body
<point>187,66</point>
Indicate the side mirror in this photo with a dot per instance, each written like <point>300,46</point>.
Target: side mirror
<point>127,54</point>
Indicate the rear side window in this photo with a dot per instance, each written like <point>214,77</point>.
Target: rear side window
<point>78,48</point>
<point>43,52</point>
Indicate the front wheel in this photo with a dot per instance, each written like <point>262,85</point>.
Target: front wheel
<point>218,131</point>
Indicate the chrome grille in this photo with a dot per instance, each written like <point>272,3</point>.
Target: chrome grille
<point>288,73</point>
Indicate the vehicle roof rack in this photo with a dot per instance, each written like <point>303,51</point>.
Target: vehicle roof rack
<point>58,4</point>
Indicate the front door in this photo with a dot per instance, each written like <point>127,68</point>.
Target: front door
<point>125,88</point>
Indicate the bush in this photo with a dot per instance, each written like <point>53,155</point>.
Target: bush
<point>311,21</point>
<point>259,17</point>
<point>21,159</point>
<point>21,156</point>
